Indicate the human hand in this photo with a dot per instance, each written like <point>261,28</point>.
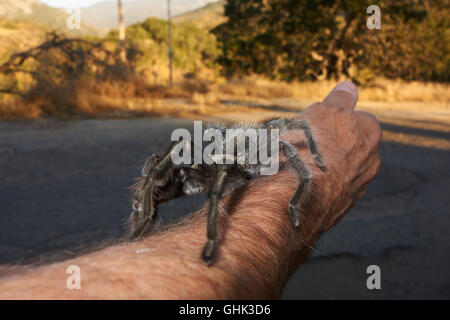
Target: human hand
<point>348,141</point>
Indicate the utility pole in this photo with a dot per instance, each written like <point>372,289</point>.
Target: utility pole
<point>122,31</point>
<point>169,22</point>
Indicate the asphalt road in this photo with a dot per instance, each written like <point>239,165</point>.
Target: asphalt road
<point>63,186</point>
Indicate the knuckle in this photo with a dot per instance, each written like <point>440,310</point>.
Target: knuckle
<point>370,125</point>
<point>368,118</point>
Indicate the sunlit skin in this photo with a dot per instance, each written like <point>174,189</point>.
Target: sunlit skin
<point>260,248</point>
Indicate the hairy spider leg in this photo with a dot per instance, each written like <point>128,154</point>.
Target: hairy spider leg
<point>150,171</point>
<point>149,208</point>
<point>148,165</point>
<point>303,125</point>
<point>215,194</point>
<point>305,179</point>
<point>292,124</point>
<point>291,154</point>
<point>136,205</point>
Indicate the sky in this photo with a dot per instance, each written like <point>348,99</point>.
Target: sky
<point>71,3</point>
<point>87,3</point>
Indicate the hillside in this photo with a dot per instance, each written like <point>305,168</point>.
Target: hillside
<point>98,18</point>
<point>37,12</point>
<point>18,36</point>
<point>208,16</point>
<point>104,14</point>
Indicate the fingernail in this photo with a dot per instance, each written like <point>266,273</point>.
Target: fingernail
<point>349,87</point>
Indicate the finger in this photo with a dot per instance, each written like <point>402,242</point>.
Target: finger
<point>345,94</point>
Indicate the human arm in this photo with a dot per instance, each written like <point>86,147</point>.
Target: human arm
<point>259,248</point>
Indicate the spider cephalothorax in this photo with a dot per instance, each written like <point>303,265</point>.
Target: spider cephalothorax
<point>163,178</point>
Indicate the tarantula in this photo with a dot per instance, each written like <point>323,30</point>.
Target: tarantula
<point>162,179</point>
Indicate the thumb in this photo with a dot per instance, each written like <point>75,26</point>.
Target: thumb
<point>345,94</point>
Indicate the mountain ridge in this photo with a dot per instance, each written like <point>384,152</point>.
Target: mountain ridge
<point>208,16</point>
<point>104,14</point>
<point>40,13</point>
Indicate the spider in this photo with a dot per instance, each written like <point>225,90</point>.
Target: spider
<point>161,179</point>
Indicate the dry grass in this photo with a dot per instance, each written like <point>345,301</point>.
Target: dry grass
<point>18,36</point>
<point>383,90</point>
<point>87,97</point>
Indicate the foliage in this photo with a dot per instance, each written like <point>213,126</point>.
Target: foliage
<point>50,72</point>
<point>323,39</point>
<point>193,48</point>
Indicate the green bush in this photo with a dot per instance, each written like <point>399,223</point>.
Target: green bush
<point>193,48</point>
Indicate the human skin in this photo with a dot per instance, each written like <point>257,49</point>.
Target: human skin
<point>258,248</point>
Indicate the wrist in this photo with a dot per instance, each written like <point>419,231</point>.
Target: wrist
<point>264,207</point>
<point>257,235</point>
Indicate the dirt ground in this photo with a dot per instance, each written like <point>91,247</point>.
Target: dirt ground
<point>63,186</point>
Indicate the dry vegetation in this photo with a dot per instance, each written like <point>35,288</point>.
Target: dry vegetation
<point>384,90</point>
<point>90,97</point>
<point>18,36</point>
<point>137,96</point>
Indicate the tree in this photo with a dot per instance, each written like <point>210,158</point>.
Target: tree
<point>324,39</point>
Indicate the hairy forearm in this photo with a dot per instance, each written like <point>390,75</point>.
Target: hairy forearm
<point>258,249</point>
<point>258,246</point>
